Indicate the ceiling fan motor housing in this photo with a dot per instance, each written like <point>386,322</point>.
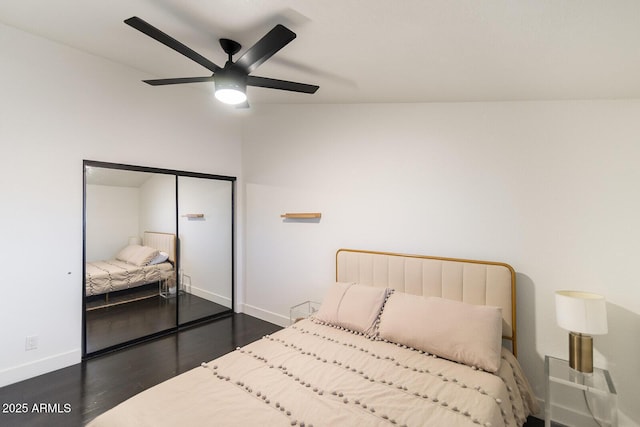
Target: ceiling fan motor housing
<point>231,78</point>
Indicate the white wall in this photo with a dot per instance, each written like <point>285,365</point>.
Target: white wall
<point>158,204</point>
<point>548,187</point>
<point>112,216</point>
<point>58,107</point>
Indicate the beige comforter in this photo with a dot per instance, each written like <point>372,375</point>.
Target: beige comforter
<point>114,275</point>
<point>315,375</point>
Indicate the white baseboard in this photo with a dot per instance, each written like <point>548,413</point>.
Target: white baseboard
<point>38,367</point>
<point>211,296</point>
<point>267,316</point>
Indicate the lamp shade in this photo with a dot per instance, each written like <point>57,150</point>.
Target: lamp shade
<point>581,312</point>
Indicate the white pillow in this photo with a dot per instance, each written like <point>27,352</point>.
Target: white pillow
<point>137,255</point>
<point>127,252</point>
<point>160,258</point>
<point>465,333</point>
<point>352,306</point>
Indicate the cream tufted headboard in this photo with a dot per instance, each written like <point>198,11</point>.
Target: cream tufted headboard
<point>165,242</point>
<point>474,282</point>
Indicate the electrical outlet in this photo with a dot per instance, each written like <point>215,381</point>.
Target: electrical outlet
<point>31,343</point>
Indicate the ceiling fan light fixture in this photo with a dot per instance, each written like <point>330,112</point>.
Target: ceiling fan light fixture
<point>230,87</point>
<point>230,96</point>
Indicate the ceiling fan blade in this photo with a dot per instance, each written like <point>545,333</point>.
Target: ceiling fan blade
<point>179,80</point>
<point>169,41</point>
<point>265,48</point>
<point>281,84</point>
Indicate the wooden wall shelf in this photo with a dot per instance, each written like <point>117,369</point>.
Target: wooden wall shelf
<point>301,215</point>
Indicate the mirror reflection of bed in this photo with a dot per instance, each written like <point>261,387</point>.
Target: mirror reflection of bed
<point>149,270</point>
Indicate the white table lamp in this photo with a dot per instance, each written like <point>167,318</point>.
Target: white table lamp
<point>583,314</point>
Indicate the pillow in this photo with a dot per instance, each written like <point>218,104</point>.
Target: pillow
<point>465,333</point>
<point>352,306</point>
<point>328,311</point>
<point>137,255</point>
<point>143,256</point>
<point>160,258</point>
<point>127,252</point>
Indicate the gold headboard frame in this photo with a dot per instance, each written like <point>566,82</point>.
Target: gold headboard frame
<point>471,281</point>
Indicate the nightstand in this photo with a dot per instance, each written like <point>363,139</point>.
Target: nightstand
<point>302,311</point>
<point>591,396</point>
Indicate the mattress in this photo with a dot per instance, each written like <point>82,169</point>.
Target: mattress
<point>311,374</point>
<point>114,275</point>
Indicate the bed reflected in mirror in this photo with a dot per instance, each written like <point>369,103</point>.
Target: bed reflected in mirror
<point>130,251</point>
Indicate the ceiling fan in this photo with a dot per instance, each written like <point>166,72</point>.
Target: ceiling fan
<point>231,80</point>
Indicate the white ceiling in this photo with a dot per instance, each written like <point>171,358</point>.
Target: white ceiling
<point>362,51</point>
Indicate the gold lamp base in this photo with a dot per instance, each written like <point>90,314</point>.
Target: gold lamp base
<point>581,352</point>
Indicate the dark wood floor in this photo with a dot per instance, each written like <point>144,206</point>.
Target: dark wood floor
<point>96,385</point>
<point>109,326</point>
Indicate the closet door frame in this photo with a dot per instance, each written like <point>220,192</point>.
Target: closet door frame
<point>176,173</point>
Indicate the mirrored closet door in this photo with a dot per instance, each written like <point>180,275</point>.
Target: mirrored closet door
<point>158,252</point>
<point>205,223</point>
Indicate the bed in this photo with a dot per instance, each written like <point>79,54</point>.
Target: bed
<point>362,358</point>
<point>133,266</point>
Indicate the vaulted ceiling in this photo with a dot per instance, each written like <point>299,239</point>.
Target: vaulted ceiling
<point>363,51</point>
